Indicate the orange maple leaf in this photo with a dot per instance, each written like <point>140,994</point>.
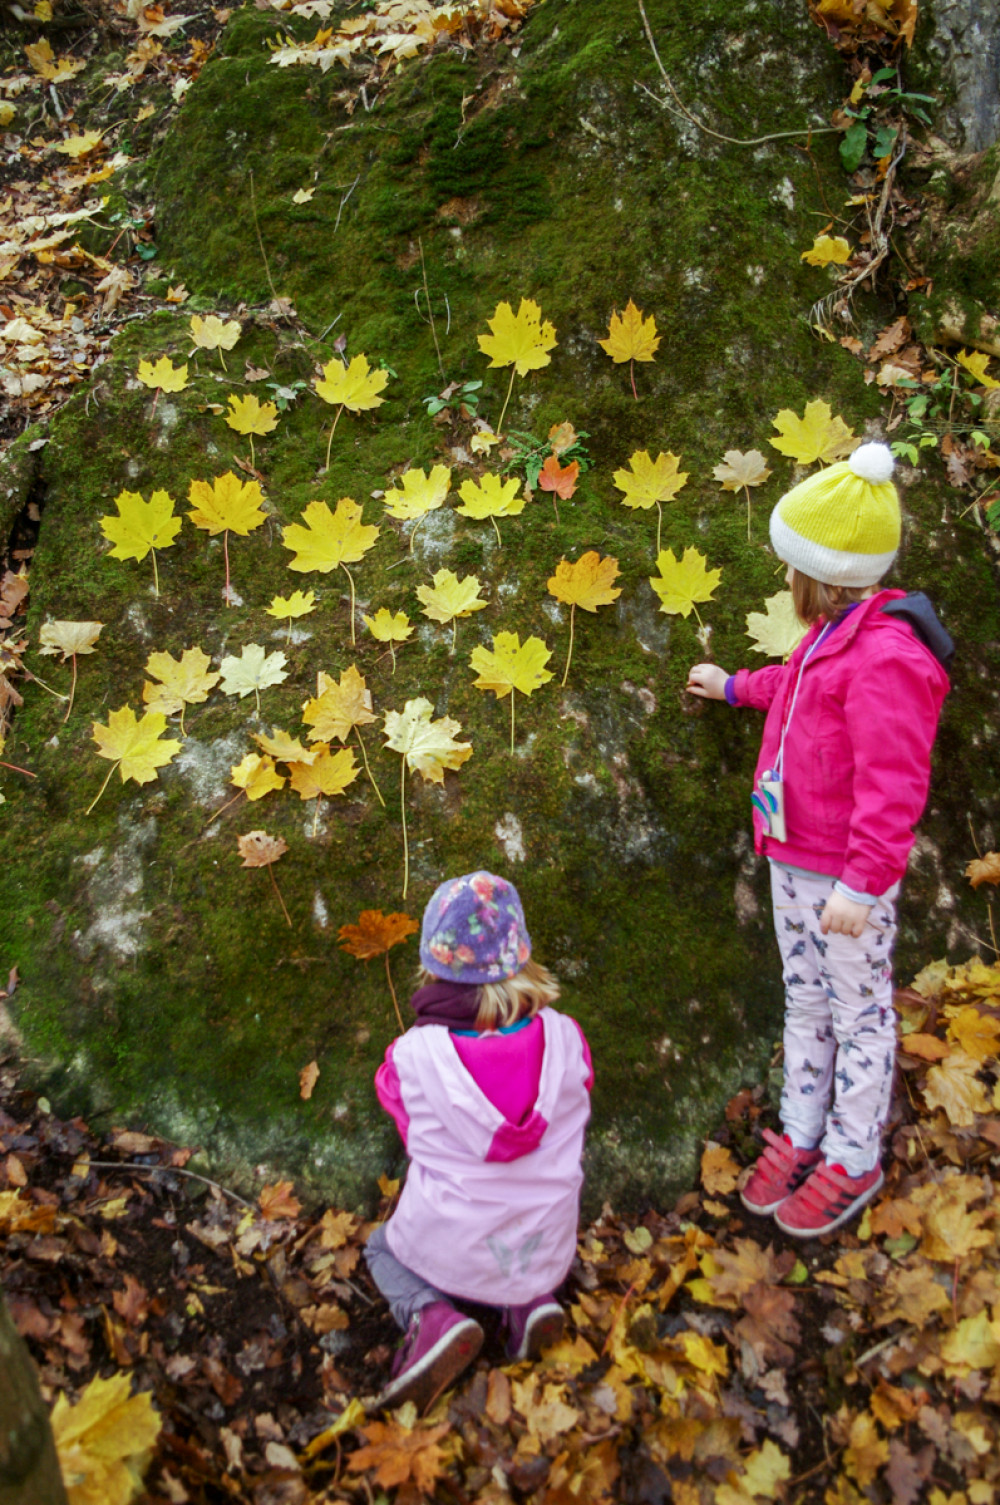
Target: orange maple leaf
<point>374,933</point>
<point>278,1201</point>
<point>559,478</point>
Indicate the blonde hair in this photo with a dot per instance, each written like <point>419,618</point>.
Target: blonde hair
<point>501,1003</point>
<point>815,601</point>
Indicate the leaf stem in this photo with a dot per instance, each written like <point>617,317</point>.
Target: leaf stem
<point>15,769</point>
<point>659,525</point>
<point>371,776</point>
<point>513,692</point>
<point>333,427</point>
<point>253,462</point>
<point>72,691</point>
<point>29,674</point>
<point>277,891</point>
<point>698,615</point>
<point>510,388</point>
<point>747,490</point>
<point>631,372</point>
<point>225,550</point>
<point>392,990</point>
<point>437,347</point>
<point>454,634</point>
<point>392,650</point>
<point>572,611</point>
<point>102,788</point>
<point>496,531</point>
<point>223,808</point>
<point>351,579</point>
<point>402,809</point>
<point>156,575</point>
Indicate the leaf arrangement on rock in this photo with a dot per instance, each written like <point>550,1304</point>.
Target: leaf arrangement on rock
<point>521,341</point>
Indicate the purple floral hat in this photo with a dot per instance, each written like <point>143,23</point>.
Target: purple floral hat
<point>474,930</point>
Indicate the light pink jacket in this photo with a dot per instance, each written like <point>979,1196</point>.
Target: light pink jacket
<point>856,764</point>
<point>490,1208</point>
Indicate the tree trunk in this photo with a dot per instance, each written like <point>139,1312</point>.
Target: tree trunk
<point>29,1468</point>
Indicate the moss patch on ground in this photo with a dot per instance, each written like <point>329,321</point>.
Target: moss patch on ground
<point>159,976</point>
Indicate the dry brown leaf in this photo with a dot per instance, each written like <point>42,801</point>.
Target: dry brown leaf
<point>259,850</point>
<point>308,1077</point>
<point>984,869</point>
<point>278,1201</point>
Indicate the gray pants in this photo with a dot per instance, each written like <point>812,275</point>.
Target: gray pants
<point>405,1291</point>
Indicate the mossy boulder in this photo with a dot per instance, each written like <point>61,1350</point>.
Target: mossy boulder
<point>159,978</point>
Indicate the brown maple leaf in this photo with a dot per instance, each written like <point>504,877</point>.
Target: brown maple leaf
<point>373,935</point>
<point>984,869</point>
<point>769,1325</point>
<point>278,1201</point>
<point>399,1455</point>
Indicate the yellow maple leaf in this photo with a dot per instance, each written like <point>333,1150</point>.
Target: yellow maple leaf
<point>589,583</point>
<point>69,638</point>
<point>511,665</point>
<point>523,339</point>
<point>977,1034</point>
<point>778,629</point>
<point>253,670</point>
<point>247,415</point>
<point>226,504</point>
<point>48,66</point>
<point>910,1295</point>
<point>719,1170</point>
<point>428,747</point>
<point>491,497</point>
<point>355,386</point>
<point>975,362</point>
<point>133,746</point>
<point>182,681</point>
<point>283,746</point>
<point>105,1441</point>
<point>213,333</point>
<point>827,250</point>
<point>952,1227</point>
<point>141,527</point>
<point>326,773</point>
<point>739,470</point>
<point>449,598</point>
<point>631,337</point>
<point>256,775</point>
<point>330,540</point>
<point>389,627</point>
<point>298,604</point>
<point>418,493</point>
<point>766,1470</point>
<point>817,435</point>
<point>165,376</point>
<point>79,146</point>
<point>955,1087</point>
<point>973,1344</point>
<point>649,482</point>
<point>682,582</point>
<point>338,707</point>
<point>866,1451</point>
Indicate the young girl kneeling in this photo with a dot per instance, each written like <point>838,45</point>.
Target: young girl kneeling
<point>490,1092</point>
<point>841,781</point>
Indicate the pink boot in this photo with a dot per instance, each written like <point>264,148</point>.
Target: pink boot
<point>439,1344</point>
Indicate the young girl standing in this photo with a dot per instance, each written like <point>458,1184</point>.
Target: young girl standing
<point>841,781</point>
<point>490,1091</point>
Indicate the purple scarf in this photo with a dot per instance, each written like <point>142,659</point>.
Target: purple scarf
<point>455,1004</point>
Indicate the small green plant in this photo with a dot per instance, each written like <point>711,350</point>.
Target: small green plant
<point>863,117</point>
<point>463,395</point>
<point>285,393</point>
<point>529,454</point>
<point>943,406</point>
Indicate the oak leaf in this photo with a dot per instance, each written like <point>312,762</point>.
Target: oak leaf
<point>428,746</point>
<point>683,582</point>
<point>326,773</point>
<point>105,1441</point>
<point>338,707</point>
<point>418,493</point>
<point>68,638</point>
<point>522,340</point>
<point>631,337</point>
<point>257,776</point>
<point>254,670</point>
<point>355,386</point>
<point>213,333</point>
<point>226,504</point>
<point>141,527</point>
<point>278,1201</point>
<point>817,435</point>
<point>560,479</point>
<point>325,540</point>
<point>827,250</point>
<point>778,629</point>
<point>258,849</point>
<point>984,869</point>
<point>164,376</point>
<point>375,933</point>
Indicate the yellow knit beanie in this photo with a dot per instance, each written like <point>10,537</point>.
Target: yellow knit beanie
<point>841,525</point>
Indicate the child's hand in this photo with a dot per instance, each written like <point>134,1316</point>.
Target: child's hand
<point>707,680</point>
<point>843,916</point>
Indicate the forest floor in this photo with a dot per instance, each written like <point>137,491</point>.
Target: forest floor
<point>707,1358</point>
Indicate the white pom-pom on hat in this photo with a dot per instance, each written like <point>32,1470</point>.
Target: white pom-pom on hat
<point>873,463</point>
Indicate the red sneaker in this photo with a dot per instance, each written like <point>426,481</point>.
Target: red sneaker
<point>829,1197</point>
<point>779,1171</point>
<point>439,1344</point>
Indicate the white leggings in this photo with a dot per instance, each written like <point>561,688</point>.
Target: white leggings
<point>840,1025</point>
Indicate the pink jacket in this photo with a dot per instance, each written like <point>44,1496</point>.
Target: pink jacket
<point>856,764</point>
<point>490,1207</point>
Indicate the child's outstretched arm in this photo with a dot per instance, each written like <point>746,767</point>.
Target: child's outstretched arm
<point>708,681</point>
